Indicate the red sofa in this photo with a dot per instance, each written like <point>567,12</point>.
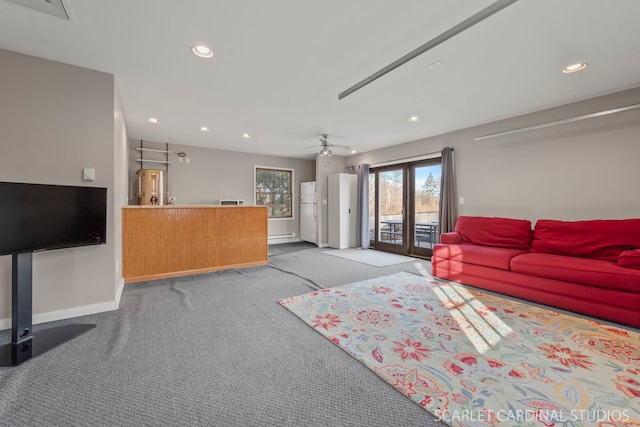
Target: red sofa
<point>588,267</point>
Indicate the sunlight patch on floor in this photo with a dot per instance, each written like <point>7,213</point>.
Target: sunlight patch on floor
<point>481,325</point>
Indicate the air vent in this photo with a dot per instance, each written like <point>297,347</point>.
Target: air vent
<point>51,7</point>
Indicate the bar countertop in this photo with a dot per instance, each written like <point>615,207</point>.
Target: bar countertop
<point>190,206</point>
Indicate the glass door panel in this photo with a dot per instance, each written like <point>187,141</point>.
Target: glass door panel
<point>391,201</point>
<point>426,201</point>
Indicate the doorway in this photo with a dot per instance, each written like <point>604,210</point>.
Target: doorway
<point>404,204</point>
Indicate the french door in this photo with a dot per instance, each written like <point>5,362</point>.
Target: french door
<point>403,207</point>
<point>390,218</point>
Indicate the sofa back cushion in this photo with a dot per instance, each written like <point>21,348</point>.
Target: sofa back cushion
<point>499,232</point>
<point>596,239</point>
<point>630,259</point>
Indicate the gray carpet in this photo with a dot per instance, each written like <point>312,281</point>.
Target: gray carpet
<point>210,350</point>
<point>370,256</point>
<point>281,249</point>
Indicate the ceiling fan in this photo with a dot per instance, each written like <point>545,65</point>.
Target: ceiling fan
<point>325,146</point>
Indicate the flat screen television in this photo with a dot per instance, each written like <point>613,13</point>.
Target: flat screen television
<point>37,217</point>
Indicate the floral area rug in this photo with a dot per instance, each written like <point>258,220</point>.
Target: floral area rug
<point>474,359</point>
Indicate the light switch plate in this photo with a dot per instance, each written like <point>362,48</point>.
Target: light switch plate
<point>88,174</point>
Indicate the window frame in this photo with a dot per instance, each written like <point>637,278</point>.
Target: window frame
<point>291,171</point>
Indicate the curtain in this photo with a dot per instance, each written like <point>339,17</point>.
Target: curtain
<point>448,208</point>
<point>362,229</point>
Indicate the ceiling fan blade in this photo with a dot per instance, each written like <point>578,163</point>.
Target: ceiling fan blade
<point>339,146</point>
<point>325,144</point>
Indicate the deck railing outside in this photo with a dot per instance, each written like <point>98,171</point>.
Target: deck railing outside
<point>427,233</point>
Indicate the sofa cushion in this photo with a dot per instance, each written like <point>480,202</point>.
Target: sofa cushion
<point>500,232</point>
<point>475,254</point>
<point>630,259</point>
<point>596,239</point>
<point>598,273</point>
<point>451,238</point>
<point>611,304</point>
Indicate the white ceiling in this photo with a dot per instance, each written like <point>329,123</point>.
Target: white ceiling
<point>279,65</point>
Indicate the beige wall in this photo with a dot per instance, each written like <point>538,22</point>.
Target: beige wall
<point>214,174</point>
<point>55,120</point>
<point>580,170</point>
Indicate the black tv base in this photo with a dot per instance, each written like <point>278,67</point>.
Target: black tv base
<point>24,343</point>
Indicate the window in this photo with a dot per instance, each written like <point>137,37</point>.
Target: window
<point>273,190</point>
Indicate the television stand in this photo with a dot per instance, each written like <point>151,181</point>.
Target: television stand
<point>24,343</point>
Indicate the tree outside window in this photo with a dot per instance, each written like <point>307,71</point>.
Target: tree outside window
<point>273,190</point>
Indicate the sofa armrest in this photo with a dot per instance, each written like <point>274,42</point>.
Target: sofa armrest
<point>451,238</point>
<point>630,259</point>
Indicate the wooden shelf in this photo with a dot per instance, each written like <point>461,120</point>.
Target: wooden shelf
<point>166,162</point>
<point>153,150</point>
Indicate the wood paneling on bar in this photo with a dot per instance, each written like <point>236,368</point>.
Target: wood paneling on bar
<point>170,241</point>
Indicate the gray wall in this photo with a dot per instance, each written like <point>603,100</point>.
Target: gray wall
<point>55,120</point>
<point>580,170</point>
<point>212,175</point>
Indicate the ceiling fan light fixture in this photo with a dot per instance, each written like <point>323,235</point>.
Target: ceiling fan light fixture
<point>324,151</point>
<point>202,51</point>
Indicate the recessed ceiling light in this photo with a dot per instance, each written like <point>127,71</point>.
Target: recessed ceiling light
<point>204,128</point>
<point>575,67</point>
<point>414,119</point>
<point>435,65</point>
<point>153,120</point>
<point>246,135</point>
<point>354,151</point>
<point>202,51</point>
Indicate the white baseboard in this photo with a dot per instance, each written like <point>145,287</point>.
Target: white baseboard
<point>69,313</point>
<point>119,289</point>
<point>275,239</point>
<point>323,245</point>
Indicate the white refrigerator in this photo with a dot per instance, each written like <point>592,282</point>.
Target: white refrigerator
<point>308,212</point>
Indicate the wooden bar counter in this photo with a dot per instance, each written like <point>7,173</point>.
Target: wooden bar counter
<point>169,241</point>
